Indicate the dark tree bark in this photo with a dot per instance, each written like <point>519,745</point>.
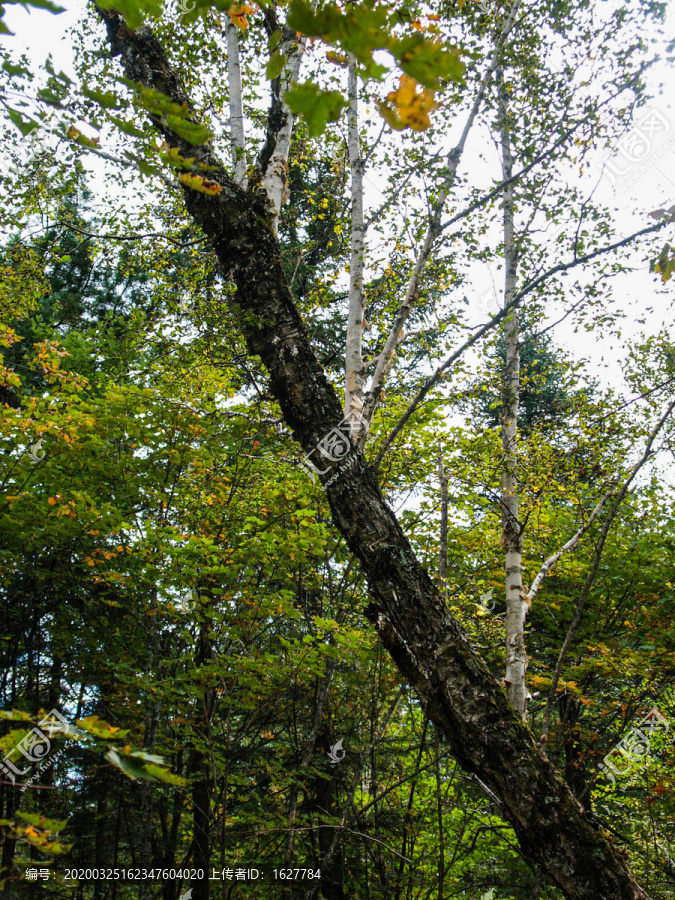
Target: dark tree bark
<point>430,649</point>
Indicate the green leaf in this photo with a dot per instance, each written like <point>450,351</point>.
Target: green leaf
<point>60,76</point>
<point>49,96</point>
<point>52,825</point>
<point>155,102</point>
<point>106,99</point>
<point>44,4</point>
<point>15,714</point>
<point>130,768</point>
<point>139,765</point>
<point>12,69</point>
<point>25,126</point>
<point>193,132</point>
<point>275,39</point>
<point>428,61</point>
<point>317,107</point>
<point>162,774</point>
<point>99,728</point>
<point>276,65</point>
<point>127,127</point>
<point>303,18</point>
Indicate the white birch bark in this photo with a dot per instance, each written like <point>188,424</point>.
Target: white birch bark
<point>237,136</point>
<point>275,176</point>
<point>443,542</point>
<point>512,538</point>
<point>354,368</point>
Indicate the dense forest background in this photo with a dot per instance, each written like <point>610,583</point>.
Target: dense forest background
<point>170,577</point>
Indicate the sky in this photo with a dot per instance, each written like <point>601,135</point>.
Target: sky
<point>638,177</point>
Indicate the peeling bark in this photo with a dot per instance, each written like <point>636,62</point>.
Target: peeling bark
<point>430,649</point>
<point>443,536</point>
<point>273,160</point>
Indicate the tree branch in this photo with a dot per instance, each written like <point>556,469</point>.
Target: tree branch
<point>570,545</point>
<point>397,333</point>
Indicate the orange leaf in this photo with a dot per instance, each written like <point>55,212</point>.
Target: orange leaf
<point>238,16</point>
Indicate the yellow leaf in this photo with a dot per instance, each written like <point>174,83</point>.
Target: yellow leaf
<point>412,108</point>
<point>201,184</point>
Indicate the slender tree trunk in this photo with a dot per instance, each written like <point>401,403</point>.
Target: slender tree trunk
<point>237,136</point>
<point>396,334</point>
<point>439,808</point>
<point>325,800</point>
<point>443,538</point>
<point>199,776</point>
<point>512,538</point>
<point>354,368</point>
<point>427,644</point>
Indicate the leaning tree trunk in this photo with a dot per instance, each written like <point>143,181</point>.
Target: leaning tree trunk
<point>429,647</point>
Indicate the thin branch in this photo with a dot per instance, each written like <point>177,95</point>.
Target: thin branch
<point>570,545</point>
<point>131,237</point>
